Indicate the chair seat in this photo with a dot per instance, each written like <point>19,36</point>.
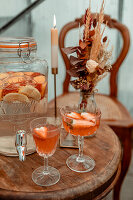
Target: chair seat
<point>111,109</point>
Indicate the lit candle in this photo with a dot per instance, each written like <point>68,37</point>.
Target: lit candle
<point>54,47</point>
<point>79,32</point>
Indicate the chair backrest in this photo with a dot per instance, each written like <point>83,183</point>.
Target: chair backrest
<point>111,23</point>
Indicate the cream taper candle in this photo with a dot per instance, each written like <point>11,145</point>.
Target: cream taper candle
<point>54,47</point>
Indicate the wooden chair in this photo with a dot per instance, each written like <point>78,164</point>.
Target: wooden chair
<point>113,112</point>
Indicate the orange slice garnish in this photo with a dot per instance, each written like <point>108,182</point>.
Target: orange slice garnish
<point>40,79</point>
<point>43,89</point>
<point>17,74</point>
<point>14,79</point>
<point>35,74</point>
<point>28,73</point>
<point>42,131</point>
<point>40,84</point>
<point>3,75</point>
<point>82,123</point>
<point>88,116</point>
<point>74,115</point>
<point>10,88</point>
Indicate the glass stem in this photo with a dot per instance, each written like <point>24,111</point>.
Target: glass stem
<point>80,144</point>
<point>46,165</point>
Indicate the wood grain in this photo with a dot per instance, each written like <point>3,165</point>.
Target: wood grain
<point>16,182</point>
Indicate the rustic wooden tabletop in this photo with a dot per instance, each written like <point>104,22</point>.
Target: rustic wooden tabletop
<point>16,181</point>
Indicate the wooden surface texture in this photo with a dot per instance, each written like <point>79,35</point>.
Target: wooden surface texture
<point>16,181</point>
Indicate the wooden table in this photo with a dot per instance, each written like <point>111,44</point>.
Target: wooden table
<point>16,182</point>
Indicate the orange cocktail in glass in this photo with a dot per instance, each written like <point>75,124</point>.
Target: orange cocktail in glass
<point>45,132</point>
<point>82,124</point>
<point>79,123</point>
<point>46,139</point>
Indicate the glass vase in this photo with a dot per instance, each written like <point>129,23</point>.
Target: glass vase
<point>87,103</point>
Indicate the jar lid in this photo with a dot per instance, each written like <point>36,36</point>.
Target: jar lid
<point>17,44</point>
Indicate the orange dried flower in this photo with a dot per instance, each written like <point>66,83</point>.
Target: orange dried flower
<point>91,63</point>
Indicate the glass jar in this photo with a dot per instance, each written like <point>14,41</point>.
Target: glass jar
<point>23,91</point>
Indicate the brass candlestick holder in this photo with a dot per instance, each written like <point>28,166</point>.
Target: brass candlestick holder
<point>54,72</point>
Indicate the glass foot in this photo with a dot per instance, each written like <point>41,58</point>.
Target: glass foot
<point>45,179</point>
<point>85,164</point>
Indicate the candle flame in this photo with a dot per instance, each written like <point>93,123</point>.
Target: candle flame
<point>54,22</point>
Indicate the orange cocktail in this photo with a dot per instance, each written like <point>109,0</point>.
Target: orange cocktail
<point>82,124</point>
<point>45,132</point>
<point>46,139</point>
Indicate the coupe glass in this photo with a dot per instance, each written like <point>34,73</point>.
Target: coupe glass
<point>80,123</point>
<point>45,132</point>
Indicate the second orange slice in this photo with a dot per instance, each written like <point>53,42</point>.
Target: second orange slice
<point>73,115</point>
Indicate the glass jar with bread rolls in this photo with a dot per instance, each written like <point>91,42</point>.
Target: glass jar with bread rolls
<point>23,93</point>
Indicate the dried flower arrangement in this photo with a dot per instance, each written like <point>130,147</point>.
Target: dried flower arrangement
<point>91,63</point>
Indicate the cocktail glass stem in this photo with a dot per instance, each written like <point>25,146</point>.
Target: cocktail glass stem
<point>46,165</point>
<point>80,157</point>
<point>80,162</point>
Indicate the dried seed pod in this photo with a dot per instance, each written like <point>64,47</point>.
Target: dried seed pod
<point>105,39</point>
<point>94,23</point>
<point>82,44</point>
<point>91,33</point>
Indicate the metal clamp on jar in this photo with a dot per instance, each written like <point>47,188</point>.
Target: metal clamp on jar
<point>20,143</point>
